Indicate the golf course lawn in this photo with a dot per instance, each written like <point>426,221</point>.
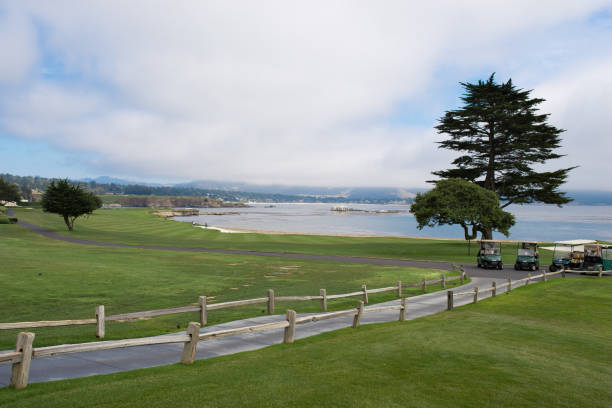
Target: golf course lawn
<point>139,226</point>
<point>45,279</point>
<point>545,345</point>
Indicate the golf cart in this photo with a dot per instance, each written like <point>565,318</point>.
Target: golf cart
<point>527,256</point>
<point>489,254</point>
<point>596,257</point>
<point>569,254</point>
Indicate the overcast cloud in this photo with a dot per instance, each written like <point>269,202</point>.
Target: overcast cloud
<point>317,92</point>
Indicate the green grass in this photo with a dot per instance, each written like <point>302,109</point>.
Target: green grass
<point>139,226</point>
<point>545,345</point>
<point>45,279</point>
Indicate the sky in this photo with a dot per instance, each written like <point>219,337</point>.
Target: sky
<point>326,93</point>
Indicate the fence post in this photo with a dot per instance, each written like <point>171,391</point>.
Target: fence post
<point>203,317</point>
<point>544,274</point>
<point>449,300</point>
<point>424,284</point>
<point>509,286</point>
<point>189,351</point>
<point>563,272</point>
<point>461,276</point>
<point>323,294</point>
<point>494,291</point>
<point>100,321</point>
<point>601,271</point>
<point>399,289</point>
<point>402,316</point>
<point>21,371</point>
<point>270,301</point>
<point>475,294</point>
<point>357,318</point>
<point>290,330</point>
<point>528,278</point>
<point>443,282</point>
<point>365,293</point>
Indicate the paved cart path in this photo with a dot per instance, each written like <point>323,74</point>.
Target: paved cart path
<point>471,269</point>
<point>116,360</point>
<point>442,265</point>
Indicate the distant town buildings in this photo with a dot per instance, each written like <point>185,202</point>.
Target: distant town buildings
<point>36,194</point>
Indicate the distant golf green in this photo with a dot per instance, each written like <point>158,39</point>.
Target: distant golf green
<point>139,226</point>
<point>45,279</point>
<point>545,345</point>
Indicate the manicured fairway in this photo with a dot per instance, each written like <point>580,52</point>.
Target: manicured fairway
<point>139,226</point>
<point>545,345</point>
<point>44,279</point>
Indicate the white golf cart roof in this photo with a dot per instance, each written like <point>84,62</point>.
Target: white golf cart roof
<point>577,243</point>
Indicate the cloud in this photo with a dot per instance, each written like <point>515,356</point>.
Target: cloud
<point>579,98</point>
<point>269,92</point>
<point>18,50</point>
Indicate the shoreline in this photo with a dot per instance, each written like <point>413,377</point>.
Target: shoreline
<point>234,230</point>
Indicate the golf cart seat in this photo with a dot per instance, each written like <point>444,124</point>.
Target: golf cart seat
<point>577,257</point>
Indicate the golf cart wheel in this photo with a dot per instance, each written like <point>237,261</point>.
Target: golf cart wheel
<point>533,268</point>
<point>516,267</point>
<point>552,268</point>
<point>500,266</point>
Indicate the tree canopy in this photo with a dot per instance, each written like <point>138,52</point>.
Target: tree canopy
<point>9,191</point>
<point>69,200</point>
<point>460,202</point>
<point>503,137</point>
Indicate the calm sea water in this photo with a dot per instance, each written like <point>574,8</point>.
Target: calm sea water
<point>533,222</point>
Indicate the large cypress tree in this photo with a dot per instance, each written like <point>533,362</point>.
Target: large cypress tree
<point>503,136</point>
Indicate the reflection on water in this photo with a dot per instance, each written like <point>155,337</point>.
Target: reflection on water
<point>533,222</point>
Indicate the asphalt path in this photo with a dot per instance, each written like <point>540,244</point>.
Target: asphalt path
<point>334,258</point>
<point>125,359</point>
<point>471,269</point>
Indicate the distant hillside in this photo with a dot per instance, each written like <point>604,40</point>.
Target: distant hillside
<point>168,202</point>
<point>333,194</point>
<point>118,181</point>
<point>229,192</point>
<point>245,192</point>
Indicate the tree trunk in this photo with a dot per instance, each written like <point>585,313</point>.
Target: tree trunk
<point>68,222</point>
<point>468,236</point>
<point>489,182</point>
<point>487,233</point>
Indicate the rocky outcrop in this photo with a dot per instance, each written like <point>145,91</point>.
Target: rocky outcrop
<point>169,202</point>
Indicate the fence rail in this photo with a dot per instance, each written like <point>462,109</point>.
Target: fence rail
<point>21,358</point>
<point>451,295</point>
<point>25,352</point>
<point>203,307</point>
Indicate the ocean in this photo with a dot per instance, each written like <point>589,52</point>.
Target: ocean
<point>533,222</point>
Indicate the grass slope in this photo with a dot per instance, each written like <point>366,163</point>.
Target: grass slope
<point>45,279</point>
<point>138,226</point>
<point>544,345</point>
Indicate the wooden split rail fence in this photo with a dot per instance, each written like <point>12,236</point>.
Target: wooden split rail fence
<point>203,307</point>
<point>451,295</point>
<point>24,351</point>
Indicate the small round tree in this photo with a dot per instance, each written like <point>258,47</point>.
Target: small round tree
<point>69,200</point>
<point>456,201</point>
